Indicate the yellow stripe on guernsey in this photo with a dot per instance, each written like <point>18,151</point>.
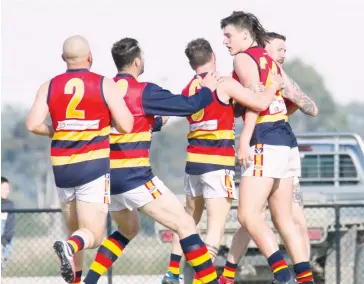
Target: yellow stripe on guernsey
<point>272,118</point>
<point>211,159</point>
<point>130,138</point>
<point>212,135</point>
<point>80,136</point>
<point>78,158</point>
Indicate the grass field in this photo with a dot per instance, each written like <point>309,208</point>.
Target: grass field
<point>34,256</point>
<point>148,279</point>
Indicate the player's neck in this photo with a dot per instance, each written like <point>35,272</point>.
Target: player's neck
<point>249,45</point>
<point>129,71</point>
<point>205,68</point>
<point>78,66</point>
<point>254,43</point>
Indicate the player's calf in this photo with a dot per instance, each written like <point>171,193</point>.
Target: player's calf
<point>194,207</point>
<point>169,211</point>
<point>112,247</point>
<point>280,203</point>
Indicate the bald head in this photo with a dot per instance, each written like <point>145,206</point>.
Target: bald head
<point>76,49</point>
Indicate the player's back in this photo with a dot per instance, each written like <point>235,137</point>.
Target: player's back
<point>81,119</point>
<point>130,165</point>
<point>211,137</point>
<point>272,124</point>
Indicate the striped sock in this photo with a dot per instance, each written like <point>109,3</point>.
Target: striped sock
<point>199,258</point>
<point>229,270</point>
<point>279,267</point>
<point>303,272</point>
<point>174,264</point>
<point>76,243</point>
<point>77,279</point>
<point>108,252</point>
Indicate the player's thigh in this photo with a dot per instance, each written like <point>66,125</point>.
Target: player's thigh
<point>69,212</point>
<point>92,205</point>
<point>253,194</point>
<point>217,211</point>
<point>192,185</point>
<point>167,209</point>
<point>128,222</point>
<point>195,207</point>
<point>280,200</point>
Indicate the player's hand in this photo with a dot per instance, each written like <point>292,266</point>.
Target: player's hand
<point>210,81</point>
<point>164,119</point>
<point>244,155</point>
<point>278,80</point>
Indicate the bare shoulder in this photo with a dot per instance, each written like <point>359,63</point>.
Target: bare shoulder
<point>43,89</point>
<point>108,81</point>
<point>109,85</point>
<point>242,57</point>
<point>45,86</point>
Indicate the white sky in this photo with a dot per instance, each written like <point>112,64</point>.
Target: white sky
<point>33,31</point>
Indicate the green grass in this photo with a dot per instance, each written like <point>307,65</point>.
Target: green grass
<point>143,256</point>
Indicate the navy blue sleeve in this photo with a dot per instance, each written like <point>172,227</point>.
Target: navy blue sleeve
<point>158,123</point>
<point>239,110</point>
<point>157,101</point>
<point>8,233</point>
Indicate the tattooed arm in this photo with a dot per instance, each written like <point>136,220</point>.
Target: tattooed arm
<point>294,93</point>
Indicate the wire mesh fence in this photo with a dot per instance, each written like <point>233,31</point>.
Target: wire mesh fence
<point>336,233</point>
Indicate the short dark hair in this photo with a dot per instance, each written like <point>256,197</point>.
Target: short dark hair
<point>198,52</point>
<point>125,51</point>
<point>4,180</point>
<point>273,35</point>
<point>242,20</point>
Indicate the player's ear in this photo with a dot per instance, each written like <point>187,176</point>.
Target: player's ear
<point>63,58</point>
<point>89,58</point>
<point>245,34</point>
<point>214,57</point>
<point>137,62</point>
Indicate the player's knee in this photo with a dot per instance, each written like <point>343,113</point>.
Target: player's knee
<point>185,225</point>
<point>242,220</point>
<point>98,238</point>
<point>246,218</point>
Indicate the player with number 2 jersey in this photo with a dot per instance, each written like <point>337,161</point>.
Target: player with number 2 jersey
<point>81,104</point>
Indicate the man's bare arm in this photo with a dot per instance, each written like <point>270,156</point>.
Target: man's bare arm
<point>256,100</point>
<point>293,92</point>
<point>248,74</point>
<point>38,113</point>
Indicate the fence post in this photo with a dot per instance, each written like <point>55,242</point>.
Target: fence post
<point>109,231</point>
<point>337,243</point>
